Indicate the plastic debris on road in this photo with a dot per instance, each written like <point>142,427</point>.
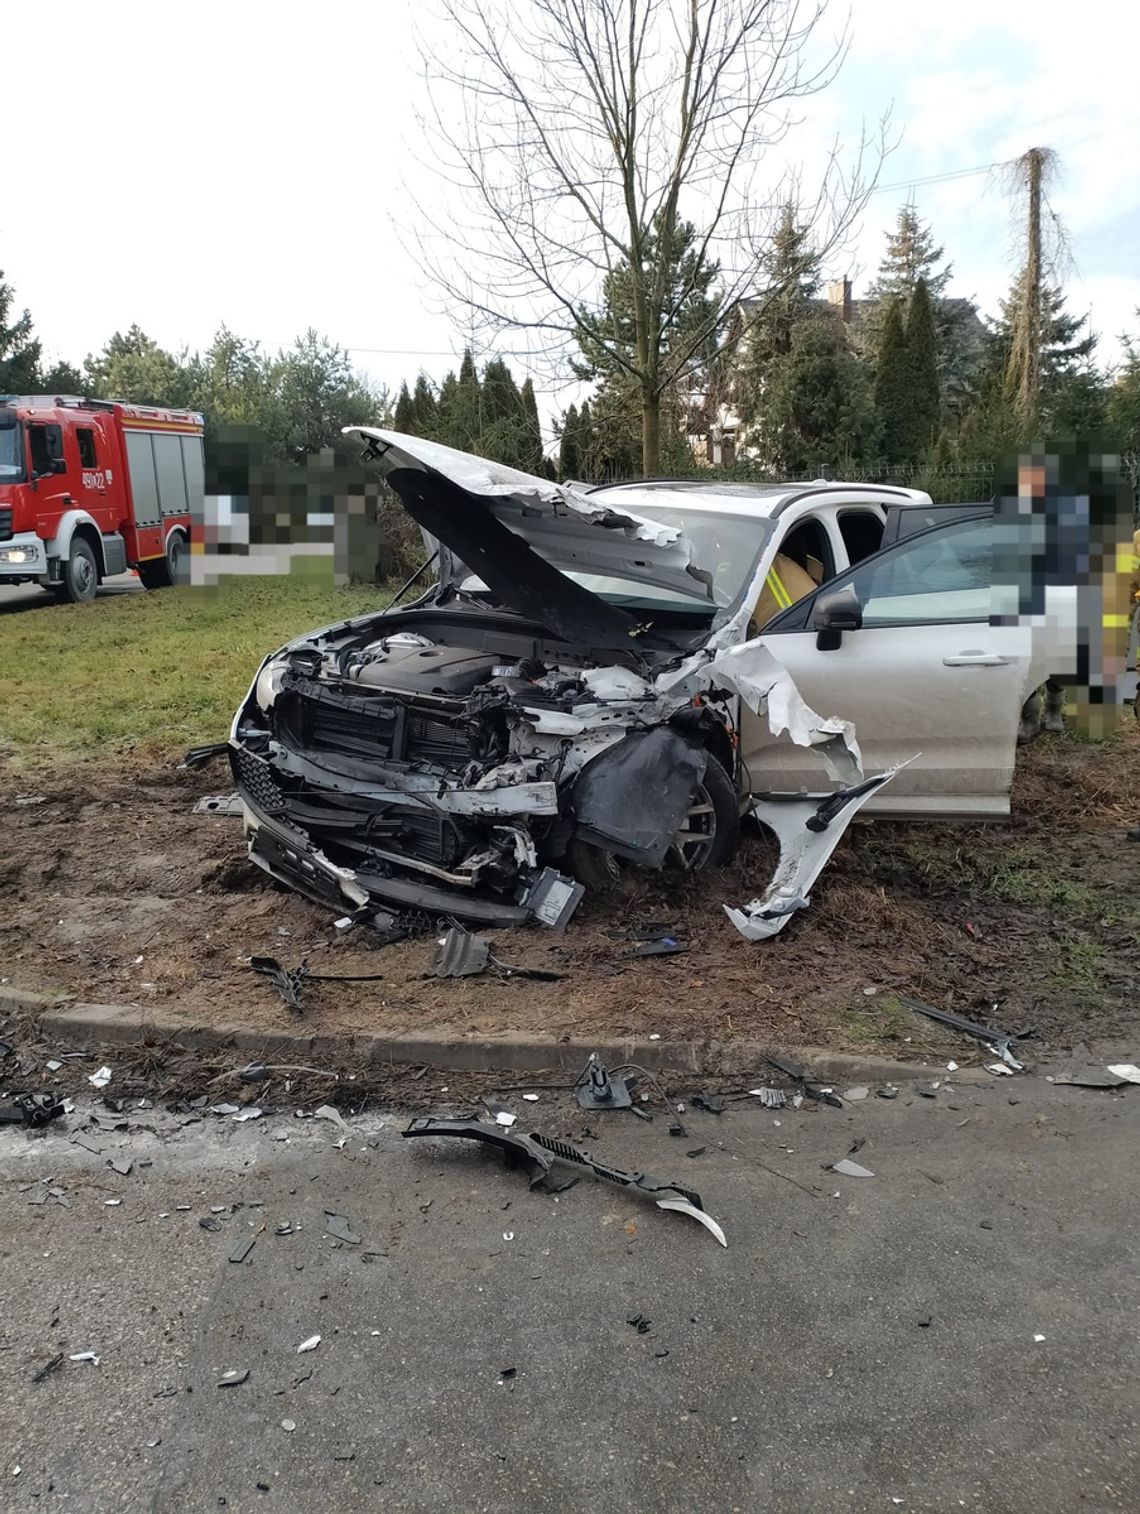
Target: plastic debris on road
<point>100,1078</point>
<point>234,1377</point>
<point>309,1345</point>
<point>1126,1070</point>
<point>85,1356</point>
<point>849,1169</point>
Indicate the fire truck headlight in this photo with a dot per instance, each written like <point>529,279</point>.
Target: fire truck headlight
<point>15,554</point>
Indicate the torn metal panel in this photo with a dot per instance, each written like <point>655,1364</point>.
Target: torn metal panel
<point>809,828</point>
<point>752,671</point>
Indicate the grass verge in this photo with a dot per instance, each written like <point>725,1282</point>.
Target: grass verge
<point>151,671</point>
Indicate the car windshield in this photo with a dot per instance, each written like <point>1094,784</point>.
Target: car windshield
<point>11,454</point>
<point>725,548</point>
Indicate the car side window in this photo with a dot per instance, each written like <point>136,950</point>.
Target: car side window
<point>940,575</point>
<point>862,532</point>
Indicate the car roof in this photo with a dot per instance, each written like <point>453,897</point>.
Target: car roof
<point>728,497</point>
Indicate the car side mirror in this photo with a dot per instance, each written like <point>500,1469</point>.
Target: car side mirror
<point>58,465</point>
<point>835,611</point>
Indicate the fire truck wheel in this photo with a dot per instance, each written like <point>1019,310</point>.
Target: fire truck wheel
<point>162,572</point>
<point>81,574</point>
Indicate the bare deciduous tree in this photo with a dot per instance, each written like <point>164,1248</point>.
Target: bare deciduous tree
<point>580,135</point>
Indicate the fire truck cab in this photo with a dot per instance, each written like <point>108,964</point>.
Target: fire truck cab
<point>90,488</point>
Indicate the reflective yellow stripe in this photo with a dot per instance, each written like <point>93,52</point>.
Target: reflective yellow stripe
<point>1114,622</point>
<point>779,593</point>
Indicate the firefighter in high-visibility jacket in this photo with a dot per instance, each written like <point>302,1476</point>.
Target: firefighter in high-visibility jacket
<point>785,583</point>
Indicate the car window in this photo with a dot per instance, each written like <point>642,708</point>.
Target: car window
<point>940,575</point>
<point>862,532</point>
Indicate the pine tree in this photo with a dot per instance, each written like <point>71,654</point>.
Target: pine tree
<point>1124,400</point>
<point>425,409</point>
<point>533,457</point>
<point>817,407</point>
<point>20,351</point>
<point>404,419</point>
<point>922,371</point>
<point>586,442</point>
<point>911,256</point>
<point>569,465</point>
<point>892,387</point>
<point>791,282</point>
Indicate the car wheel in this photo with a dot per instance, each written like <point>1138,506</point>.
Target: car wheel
<point>80,574</point>
<point>706,838</point>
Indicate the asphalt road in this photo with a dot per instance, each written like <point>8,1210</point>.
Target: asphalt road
<point>958,1331</point>
<point>17,597</point>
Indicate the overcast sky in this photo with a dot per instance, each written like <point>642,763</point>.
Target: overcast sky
<point>180,167</point>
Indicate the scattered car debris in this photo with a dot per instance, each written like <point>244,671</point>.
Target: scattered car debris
<point>228,805</point>
<point>226,1110</point>
<point>506,1373</point>
<point>640,1324</point>
<point>24,800</point>
<point>459,954</point>
<point>288,984</point>
<point>531,1098</point>
<point>924,1321</point>
<point>47,1369</point>
<point>330,1112</point>
<point>664,946</point>
<point>1086,1077</point>
<point>208,1222</point>
<point>926,1090</point>
<point>853,1095</point>
<point>595,1089</point>
<point>538,1153</point>
<point>289,1425</point>
<point>997,1040</point>
<point>243,1248</point>
<point>951,1067</point>
<point>234,1377</point>
<point>122,1165</point>
<point>310,1344</point>
<point>52,1065</point>
<point>1126,1070</point>
<point>849,1169</point>
<point>100,1078</point>
<point>708,1102</point>
<point>32,1109</point>
<point>999,1069</point>
<point>340,1229</point>
<point>85,1356</point>
<point>770,1098</point>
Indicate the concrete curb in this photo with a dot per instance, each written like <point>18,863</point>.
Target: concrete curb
<point>124,1024</point>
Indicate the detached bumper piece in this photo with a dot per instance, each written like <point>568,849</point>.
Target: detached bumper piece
<point>808,827</point>
<point>32,1109</point>
<point>537,1155</point>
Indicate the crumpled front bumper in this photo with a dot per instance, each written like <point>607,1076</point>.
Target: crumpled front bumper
<point>289,855</point>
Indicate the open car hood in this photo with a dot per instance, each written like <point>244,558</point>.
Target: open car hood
<point>521,534</point>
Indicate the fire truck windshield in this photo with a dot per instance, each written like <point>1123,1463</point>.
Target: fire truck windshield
<point>11,453</point>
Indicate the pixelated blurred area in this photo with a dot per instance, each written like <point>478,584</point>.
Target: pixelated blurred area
<point>263,518</point>
<point>1066,544</point>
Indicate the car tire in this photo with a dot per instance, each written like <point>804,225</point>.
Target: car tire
<point>166,571</point>
<point>80,573</point>
<point>715,810</point>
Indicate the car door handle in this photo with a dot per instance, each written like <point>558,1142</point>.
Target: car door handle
<point>976,660</point>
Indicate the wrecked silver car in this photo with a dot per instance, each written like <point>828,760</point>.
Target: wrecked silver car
<point>579,690</point>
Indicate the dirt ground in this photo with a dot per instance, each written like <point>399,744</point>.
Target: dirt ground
<point>112,890</point>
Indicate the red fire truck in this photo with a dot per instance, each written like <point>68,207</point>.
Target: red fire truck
<point>89,488</point>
